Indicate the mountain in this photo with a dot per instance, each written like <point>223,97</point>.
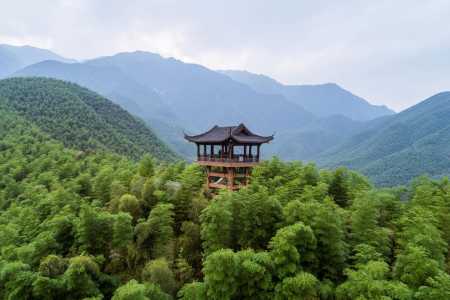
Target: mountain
<point>315,138</point>
<point>80,118</point>
<point>108,81</point>
<point>172,96</point>
<point>323,100</point>
<point>13,58</point>
<point>113,84</point>
<point>202,98</point>
<point>405,145</point>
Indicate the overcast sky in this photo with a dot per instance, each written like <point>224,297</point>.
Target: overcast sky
<point>389,52</point>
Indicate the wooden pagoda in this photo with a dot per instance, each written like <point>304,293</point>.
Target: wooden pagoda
<point>228,153</point>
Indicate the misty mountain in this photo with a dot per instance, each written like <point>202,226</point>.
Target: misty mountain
<point>323,100</point>
<point>13,58</point>
<point>112,83</point>
<point>202,98</point>
<point>411,143</point>
<point>172,96</point>
<point>318,136</point>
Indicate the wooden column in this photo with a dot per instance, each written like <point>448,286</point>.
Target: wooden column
<point>204,150</point>
<point>208,178</point>
<point>230,178</point>
<point>198,151</point>
<point>247,174</point>
<point>250,151</point>
<point>245,150</point>
<point>211,154</point>
<point>257,152</point>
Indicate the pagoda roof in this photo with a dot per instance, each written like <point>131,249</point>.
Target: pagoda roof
<point>221,134</point>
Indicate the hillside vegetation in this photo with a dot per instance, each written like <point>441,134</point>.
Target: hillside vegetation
<point>100,226</point>
<point>406,145</point>
<point>80,118</point>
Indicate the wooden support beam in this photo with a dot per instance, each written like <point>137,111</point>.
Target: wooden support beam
<point>258,152</point>
<point>230,178</point>
<point>217,174</point>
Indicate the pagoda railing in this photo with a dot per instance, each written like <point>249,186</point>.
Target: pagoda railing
<point>235,158</point>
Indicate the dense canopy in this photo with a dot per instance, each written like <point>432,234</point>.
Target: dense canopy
<point>80,118</point>
<point>100,226</point>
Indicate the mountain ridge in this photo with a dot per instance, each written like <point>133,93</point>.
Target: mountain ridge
<point>14,58</point>
<point>323,100</point>
<point>408,144</point>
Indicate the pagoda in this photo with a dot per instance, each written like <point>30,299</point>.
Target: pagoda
<point>228,153</point>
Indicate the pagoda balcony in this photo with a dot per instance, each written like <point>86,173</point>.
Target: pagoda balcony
<point>224,160</point>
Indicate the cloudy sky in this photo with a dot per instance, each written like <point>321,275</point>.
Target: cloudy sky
<point>389,52</point>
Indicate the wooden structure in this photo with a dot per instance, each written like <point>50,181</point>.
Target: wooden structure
<point>228,153</point>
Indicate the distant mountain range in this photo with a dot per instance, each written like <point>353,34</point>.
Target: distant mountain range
<point>172,97</point>
<point>323,100</point>
<point>323,123</point>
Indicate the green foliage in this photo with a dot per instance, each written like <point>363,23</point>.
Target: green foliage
<point>216,222</point>
<point>146,230</point>
<point>437,287</point>
<point>130,204</point>
<point>367,227</point>
<point>156,234</point>
<point>133,290</point>
<point>158,272</point>
<point>122,231</point>
<point>221,274</point>
<point>240,275</point>
<point>301,286</point>
<point>193,291</point>
<point>327,223</point>
<point>414,266</point>
<point>292,249</point>
<point>146,166</point>
<point>94,231</point>
<point>80,118</point>
<point>370,281</point>
<point>397,149</point>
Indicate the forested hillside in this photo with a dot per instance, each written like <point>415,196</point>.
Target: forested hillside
<point>100,226</point>
<point>411,143</point>
<point>80,118</point>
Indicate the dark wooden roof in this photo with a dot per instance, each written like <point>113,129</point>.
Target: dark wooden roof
<point>238,134</point>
